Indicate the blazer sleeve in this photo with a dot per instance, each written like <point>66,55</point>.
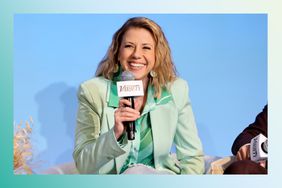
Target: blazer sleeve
<point>188,145</point>
<point>257,127</point>
<point>94,152</point>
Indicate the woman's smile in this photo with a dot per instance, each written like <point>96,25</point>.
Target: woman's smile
<point>135,66</point>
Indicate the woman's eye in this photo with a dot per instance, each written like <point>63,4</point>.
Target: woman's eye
<point>128,46</point>
<point>147,47</point>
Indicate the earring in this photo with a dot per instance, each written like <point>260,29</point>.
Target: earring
<point>153,74</point>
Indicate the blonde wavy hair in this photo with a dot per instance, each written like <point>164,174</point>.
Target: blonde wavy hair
<point>164,67</point>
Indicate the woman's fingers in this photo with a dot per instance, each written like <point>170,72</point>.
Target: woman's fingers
<point>128,110</point>
<point>127,114</point>
<point>123,114</point>
<point>127,103</point>
<point>244,152</point>
<point>124,102</point>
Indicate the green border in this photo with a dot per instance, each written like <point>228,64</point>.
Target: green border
<point>8,8</point>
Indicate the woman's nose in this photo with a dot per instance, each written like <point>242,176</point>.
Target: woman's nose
<point>137,53</point>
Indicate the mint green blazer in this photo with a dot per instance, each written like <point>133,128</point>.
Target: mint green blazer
<point>97,150</point>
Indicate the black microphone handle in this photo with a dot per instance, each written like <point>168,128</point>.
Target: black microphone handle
<point>130,125</point>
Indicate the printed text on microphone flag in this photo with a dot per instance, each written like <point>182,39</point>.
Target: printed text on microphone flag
<point>131,88</point>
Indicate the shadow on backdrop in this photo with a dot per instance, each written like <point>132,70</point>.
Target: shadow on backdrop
<point>57,105</point>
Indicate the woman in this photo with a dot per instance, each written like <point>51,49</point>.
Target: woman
<point>163,116</point>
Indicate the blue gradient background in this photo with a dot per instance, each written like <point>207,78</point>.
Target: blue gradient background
<point>223,57</point>
<point>9,8</point>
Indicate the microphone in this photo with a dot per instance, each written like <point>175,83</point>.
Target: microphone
<point>259,148</point>
<point>130,125</point>
<point>130,88</point>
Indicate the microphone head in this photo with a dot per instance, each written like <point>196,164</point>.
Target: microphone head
<point>127,76</point>
<point>264,146</point>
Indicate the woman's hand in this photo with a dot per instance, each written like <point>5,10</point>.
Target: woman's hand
<point>244,152</point>
<point>122,114</point>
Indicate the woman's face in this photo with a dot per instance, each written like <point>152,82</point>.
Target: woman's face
<point>137,52</point>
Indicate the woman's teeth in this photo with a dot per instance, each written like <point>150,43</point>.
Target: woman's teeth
<point>136,65</point>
